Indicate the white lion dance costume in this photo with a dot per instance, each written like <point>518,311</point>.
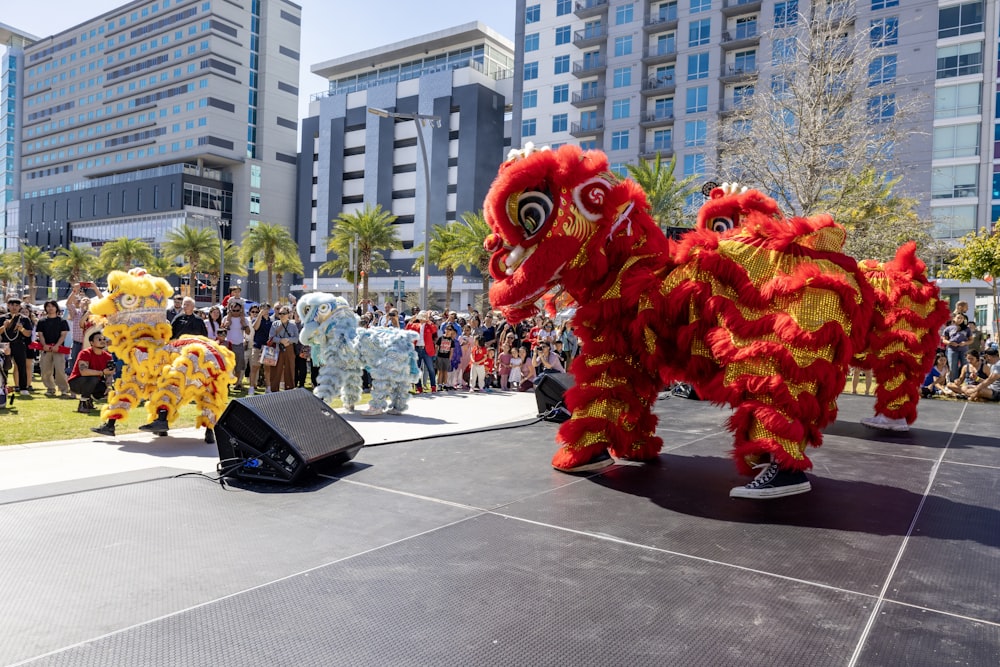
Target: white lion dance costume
<point>166,374</point>
<point>344,349</point>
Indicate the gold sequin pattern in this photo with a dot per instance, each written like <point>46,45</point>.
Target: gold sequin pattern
<point>794,449</point>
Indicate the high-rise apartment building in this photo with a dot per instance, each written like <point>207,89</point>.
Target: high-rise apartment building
<point>351,158</point>
<point>155,115</point>
<point>637,77</point>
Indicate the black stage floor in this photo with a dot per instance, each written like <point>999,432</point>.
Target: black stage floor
<point>469,550</point>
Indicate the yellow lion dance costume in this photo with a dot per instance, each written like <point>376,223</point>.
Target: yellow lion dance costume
<point>165,373</point>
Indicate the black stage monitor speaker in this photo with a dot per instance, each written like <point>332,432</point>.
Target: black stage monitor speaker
<point>278,437</point>
<point>549,391</point>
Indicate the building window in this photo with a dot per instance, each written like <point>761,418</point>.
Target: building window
<point>882,108</point>
<point>697,99</point>
<point>955,182</point>
<point>255,176</point>
<point>957,20</point>
<point>742,95</point>
<point>884,4</point>
<point>786,13</point>
<point>619,140</point>
<point>623,45</point>
<point>694,164</point>
<point>783,50</point>
<point>563,7</point>
<point>528,127</point>
<point>697,66</point>
<point>961,100</point>
<point>959,60</point>
<point>561,64</point>
<point>560,93</point>
<point>560,122</point>
<point>533,14</point>
<point>663,140</point>
<point>695,132</point>
<point>663,108</point>
<point>952,222</point>
<point>882,70</point>
<point>619,168</point>
<point>698,32</point>
<point>529,99</point>
<point>531,42</point>
<point>956,141</point>
<point>700,6</point>
<point>622,77</point>
<point>621,109</point>
<point>563,35</point>
<point>624,13</point>
<point>530,70</point>
<point>255,202</point>
<point>885,31</point>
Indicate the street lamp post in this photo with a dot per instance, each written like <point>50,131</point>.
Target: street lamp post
<point>421,120</point>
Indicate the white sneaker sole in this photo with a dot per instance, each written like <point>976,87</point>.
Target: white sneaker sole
<point>895,428</point>
<point>768,493</point>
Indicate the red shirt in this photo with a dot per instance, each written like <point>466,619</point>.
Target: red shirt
<point>95,361</point>
<point>430,331</point>
<point>479,355</point>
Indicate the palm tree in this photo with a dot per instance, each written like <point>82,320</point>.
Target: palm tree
<point>287,264</point>
<point>442,240</point>
<point>234,267</point>
<point>161,266</point>
<point>467,246</point>
<point>124,253</point>
<point>194,245</point>
<point>374,230</point>
<point>37,262</point>
<point>266,243</point>
<point>10,270</point>
<point>665,193</point>
<point>74,263</point>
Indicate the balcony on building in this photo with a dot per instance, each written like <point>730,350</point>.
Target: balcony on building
<point>741,37</point>
<point>590,36</point>
<point>584,9</point>
<point>657,54</point>
<point>734,7</point>
<point>652,119</point>
<point>658,85</point>
<point>587,129</point>
<point>660,22</point>
<point>589,66</point>
<point>649,149</point>
<point>588,97</point>
<point>731,72</point>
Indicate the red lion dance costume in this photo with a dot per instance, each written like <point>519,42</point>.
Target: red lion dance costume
<point>756,310</point>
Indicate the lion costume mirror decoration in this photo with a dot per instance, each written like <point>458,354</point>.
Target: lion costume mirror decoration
<point>756,310</point>
<point>344,349</point>
<point>165,373</point>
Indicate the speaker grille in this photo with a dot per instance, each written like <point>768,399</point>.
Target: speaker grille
<point>299,418</point>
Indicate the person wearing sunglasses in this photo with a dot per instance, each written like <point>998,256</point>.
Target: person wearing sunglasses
<point>284,335</point>
<point>15,330</point>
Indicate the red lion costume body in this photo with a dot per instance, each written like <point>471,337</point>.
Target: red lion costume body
<point>756,310</point>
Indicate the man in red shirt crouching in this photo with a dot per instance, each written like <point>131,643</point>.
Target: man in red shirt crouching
<point>93,371</point>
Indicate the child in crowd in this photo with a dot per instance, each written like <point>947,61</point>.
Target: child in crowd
<point>937,378</point>
<point>465,340</point>
<point>503,365</point>
<point>442,361</point>
<point>514,380</point>
<point>477,367</point>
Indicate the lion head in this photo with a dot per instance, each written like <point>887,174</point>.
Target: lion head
<point>553,213</point>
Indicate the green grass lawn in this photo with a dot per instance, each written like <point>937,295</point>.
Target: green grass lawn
<point>38,418</point>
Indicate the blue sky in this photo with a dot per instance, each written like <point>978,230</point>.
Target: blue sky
<point>330,28</point>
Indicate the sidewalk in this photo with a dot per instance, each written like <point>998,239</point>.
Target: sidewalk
<point>428,415</point>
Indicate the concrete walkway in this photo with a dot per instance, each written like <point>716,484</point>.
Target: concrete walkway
<point>34,464</point>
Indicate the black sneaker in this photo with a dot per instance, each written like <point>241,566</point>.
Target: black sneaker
<point>107,428</point>
<point>773,482</point>
<point>601,460</point>
<point>209,436</point>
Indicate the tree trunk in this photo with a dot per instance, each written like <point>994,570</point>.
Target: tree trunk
<point>270,277</point>
<point>449,277</point>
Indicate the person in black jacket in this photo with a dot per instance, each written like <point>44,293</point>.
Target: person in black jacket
<point>187,323</point>
<point>15,329</point>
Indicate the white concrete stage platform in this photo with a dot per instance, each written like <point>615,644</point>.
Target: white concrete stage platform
<point>428,415</point>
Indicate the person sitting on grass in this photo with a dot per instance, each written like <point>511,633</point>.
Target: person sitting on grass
<point>93,371</point>
<point>936,378</point>
<point>989,388</point>
<point>972,373</point>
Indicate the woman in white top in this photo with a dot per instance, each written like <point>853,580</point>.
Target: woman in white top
<point>238,325</point>
<point>213,322</point>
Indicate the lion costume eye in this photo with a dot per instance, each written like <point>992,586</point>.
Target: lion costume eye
<point>533,209</point>
<point>129,300</point>
<point>721,224</point>
<point>323,309</point>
